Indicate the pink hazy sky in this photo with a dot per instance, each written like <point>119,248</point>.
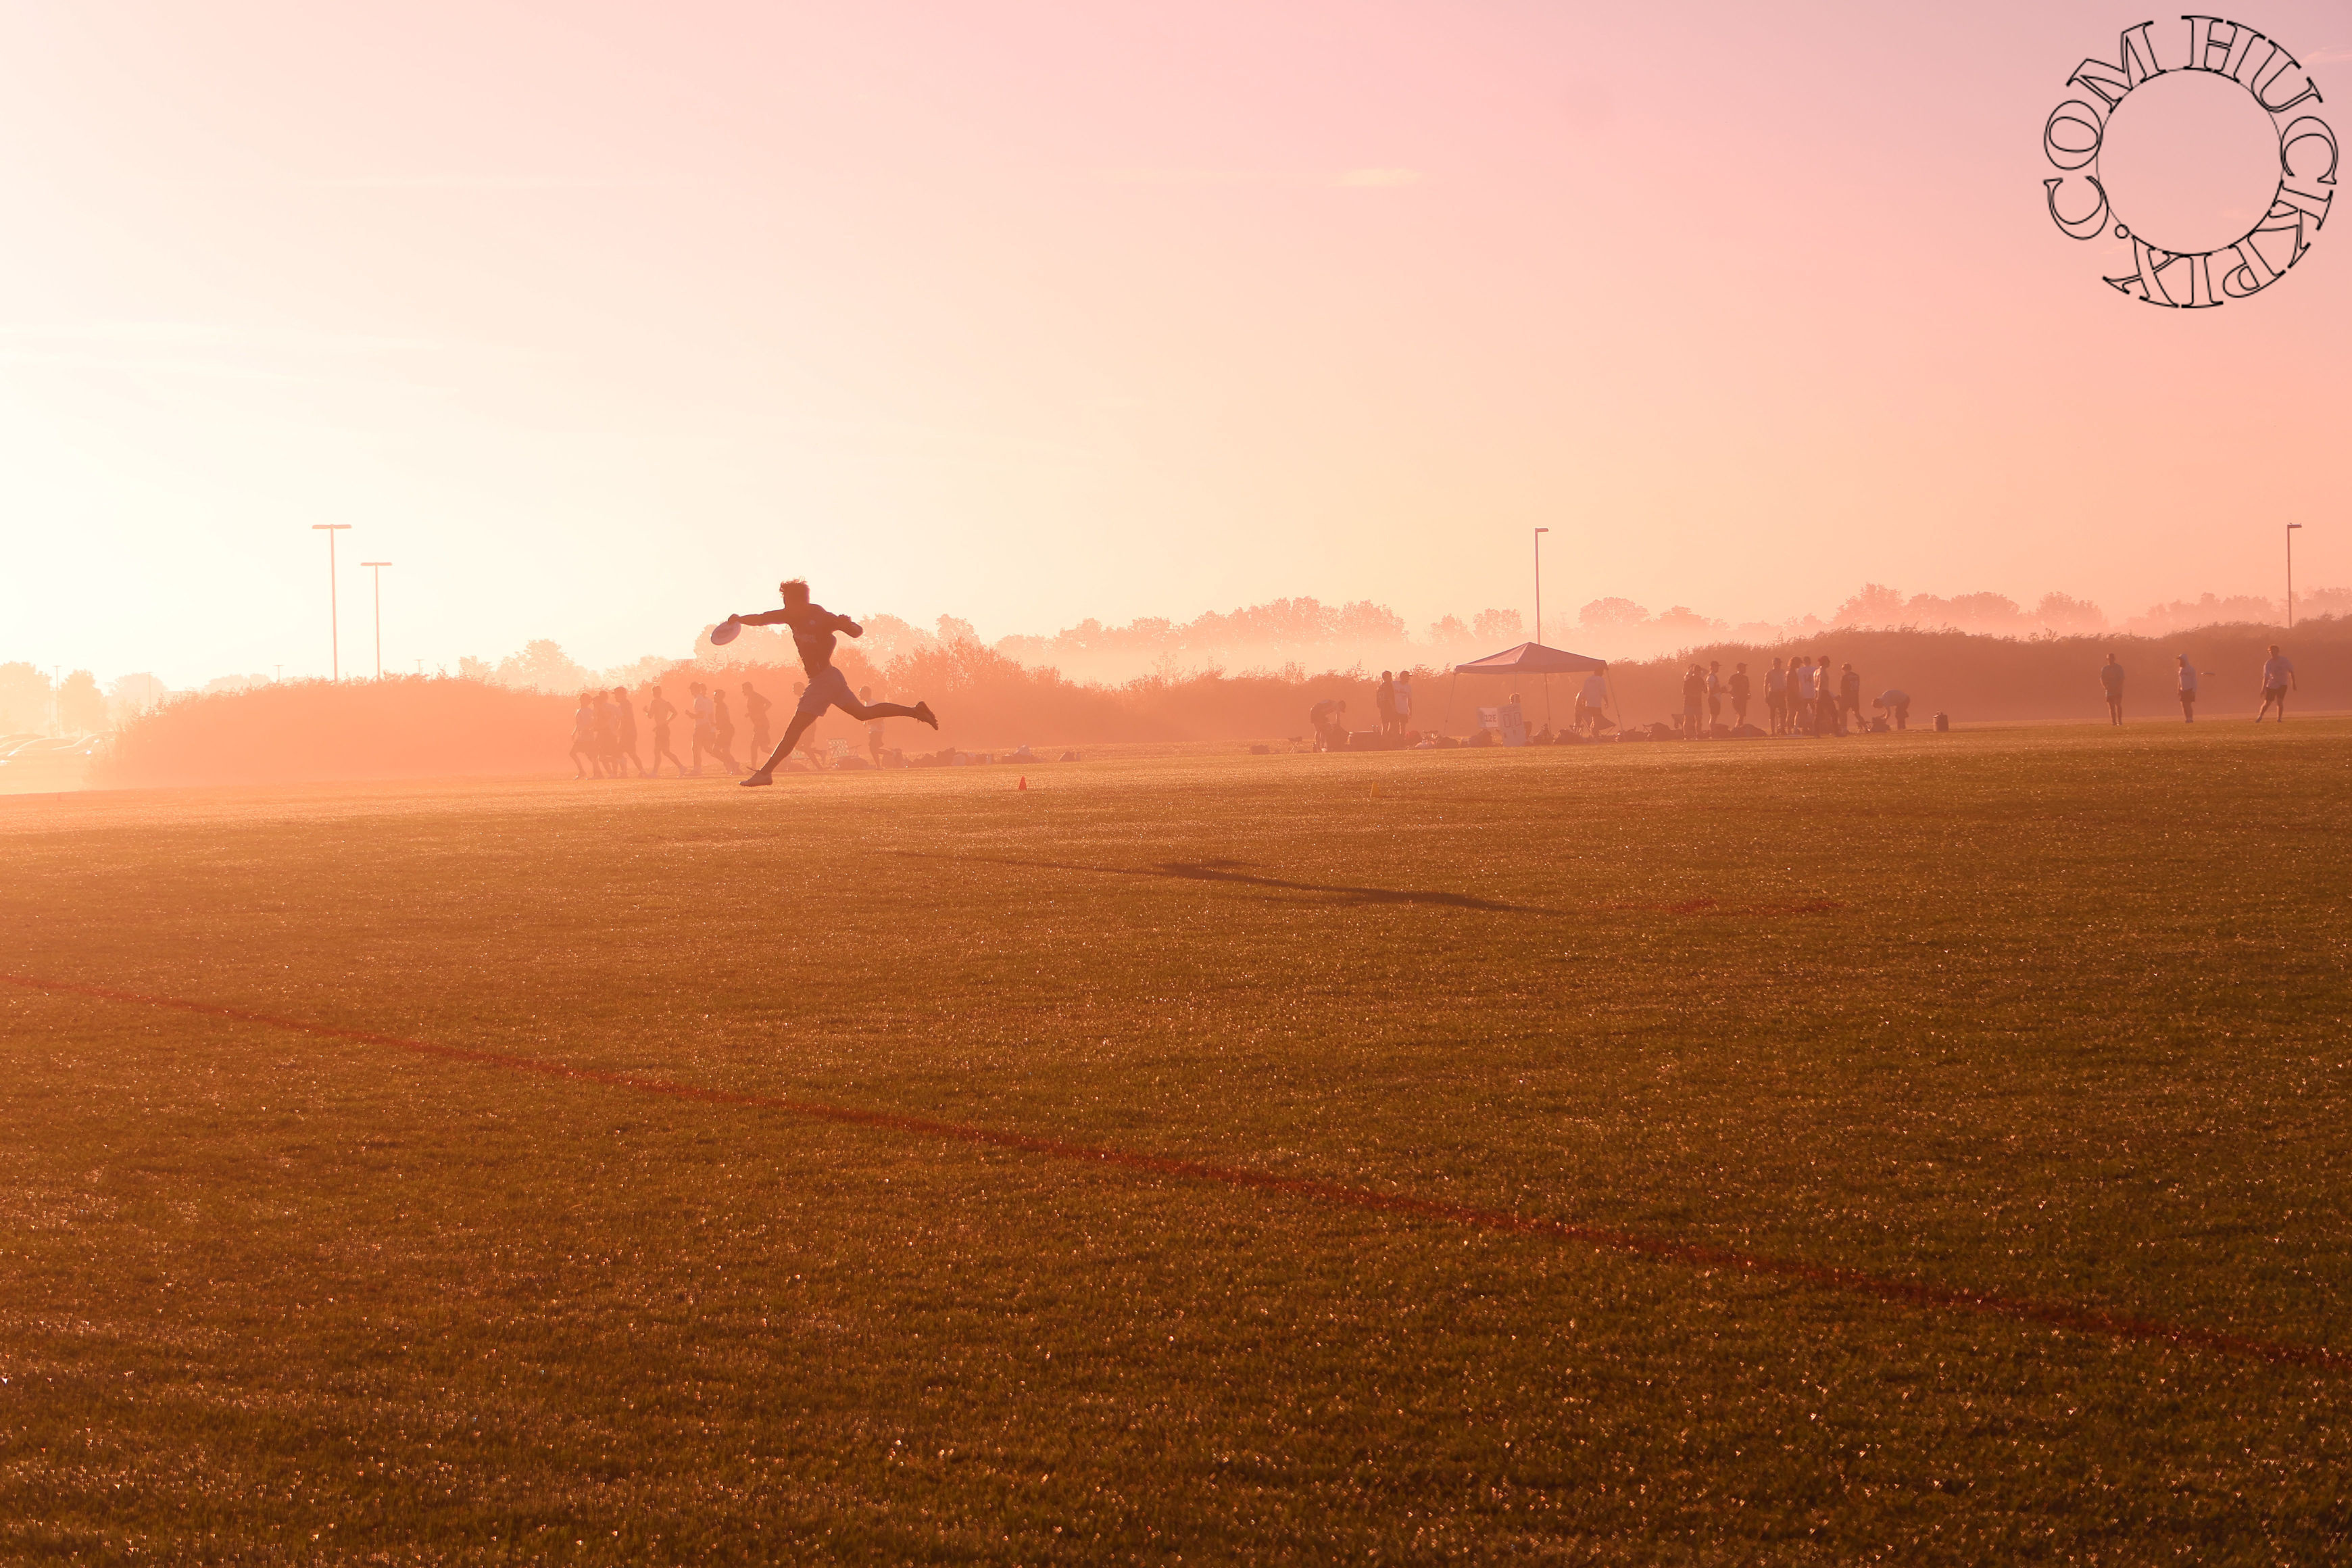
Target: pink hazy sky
<point>596,318</point>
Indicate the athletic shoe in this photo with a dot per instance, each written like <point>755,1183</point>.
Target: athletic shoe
<point>924,715</point>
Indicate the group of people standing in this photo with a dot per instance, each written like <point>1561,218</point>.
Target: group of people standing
<point>1802,697</point>
<point>2278,678</point>
<point>1393,702</point>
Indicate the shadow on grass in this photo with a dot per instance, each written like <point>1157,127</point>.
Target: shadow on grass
<point>1234,872</point>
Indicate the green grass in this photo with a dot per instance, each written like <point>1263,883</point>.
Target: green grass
<point>2060,1014</point>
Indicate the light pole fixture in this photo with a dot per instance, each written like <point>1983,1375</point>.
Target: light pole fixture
<point>2290,574</point>
<point>1539,533</point>
<point>379,566</point>
<point>334,625</point>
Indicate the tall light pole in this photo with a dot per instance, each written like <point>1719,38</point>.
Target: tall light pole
<point>379,566</point>
<point>334,623</point>
<point>1539,533</point>
<point>2290,574</point>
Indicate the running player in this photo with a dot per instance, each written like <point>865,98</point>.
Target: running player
<point>705,736</point>
<point>583,738</point>
<point>722,725</point>
<point>624,730</point>
<point>608,753</point>
<point>755,708</point>
<point>661,710</point>
<point>812,633</point>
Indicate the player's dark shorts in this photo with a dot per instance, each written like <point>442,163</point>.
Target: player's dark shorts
<point>2274,693</point>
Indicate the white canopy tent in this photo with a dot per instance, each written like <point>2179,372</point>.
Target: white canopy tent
<point>1531,658</point>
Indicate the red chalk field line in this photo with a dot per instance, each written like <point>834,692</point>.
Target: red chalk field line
<point>1901,1292</point>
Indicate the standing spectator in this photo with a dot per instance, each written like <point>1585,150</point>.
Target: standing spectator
<point>1776,697</point>
<point>1694,701</point>
<point>2111,681</point>
<point>1385,702</point>
<point>706,734</point>
<point>1849,696</point>
<point>661,710</point>
<point>1804,711</point>
<point>625,732</point>
<point>1739,688</point>
<point>1404,701</point>
<point>755,708</point>
<point>2278,674</point>
<point>1714,694</point>
<point>1897,704</point>
<point>1592,702</point>
<point>2188,690</point>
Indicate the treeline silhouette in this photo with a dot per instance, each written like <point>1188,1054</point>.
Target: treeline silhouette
<point>1304,634</point>
<point>420,726</point>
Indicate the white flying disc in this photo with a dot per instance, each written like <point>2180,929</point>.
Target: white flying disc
<point>724,632</point>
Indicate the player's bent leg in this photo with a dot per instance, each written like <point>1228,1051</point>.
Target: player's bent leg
<point>866,713</point>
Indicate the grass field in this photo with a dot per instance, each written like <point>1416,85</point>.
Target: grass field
<point>2054,1016</point>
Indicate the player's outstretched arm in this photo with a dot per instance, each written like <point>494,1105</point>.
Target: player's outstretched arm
<point>764,618</point>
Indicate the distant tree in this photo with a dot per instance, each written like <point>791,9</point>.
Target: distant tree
<point>954,631</point>
<point>1987,612</point>
<point>1498,627</point>
<point>638,672</point>
<point>81,706</point>
<point>2065,612</point>
<point>472,668</point>
<point>1607,615</point>
<point>24,699</point>
<point>1364,621</point>
<point>131,695</point>
<point>2208,610</point>
<point>1964,612</point>
<point>2323,602</point>
<point>1279,623</point>
<point>1447,631</point>
<point>886,637</point>
<point>1877,605</point>
<point>542,666</point>
<point>1684,619</point>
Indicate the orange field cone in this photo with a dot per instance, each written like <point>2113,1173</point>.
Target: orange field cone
<point>1024,784</point>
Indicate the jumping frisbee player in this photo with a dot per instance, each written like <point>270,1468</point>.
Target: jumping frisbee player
<point>813,626</point>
